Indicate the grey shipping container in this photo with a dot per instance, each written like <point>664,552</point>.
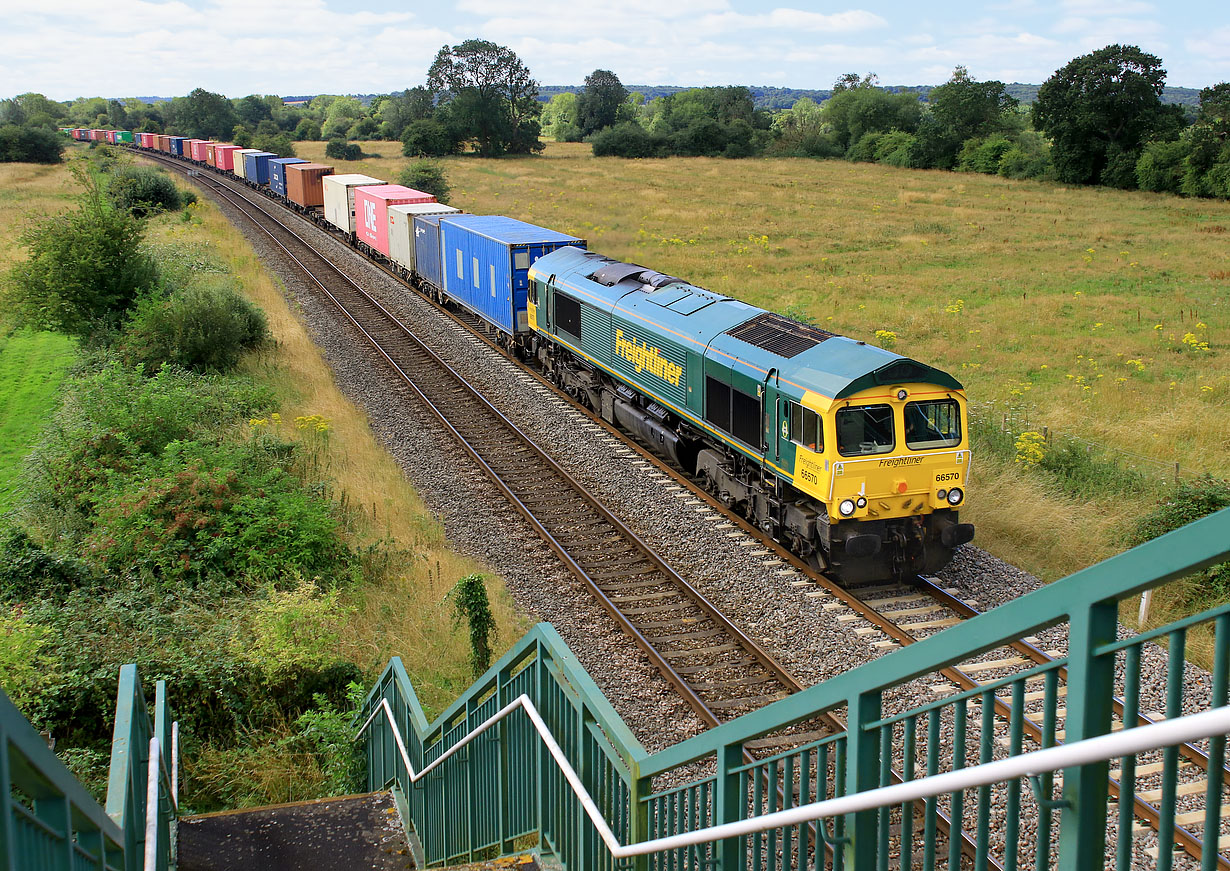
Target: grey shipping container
<point>487,261</point>
<point>401,229</point>
<point>339,198</point>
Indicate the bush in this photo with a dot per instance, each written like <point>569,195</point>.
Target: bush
<point>1120,169</point>
<point>206,328</point>
<point>427,137</point>
<point>364,128</point>
<point>340,149</point>
<point>143,191</point>
<point>628,139</point>
<point>279,143</point>
<point>29,145</point>
<point>84,270</point>
<point>308,130</point>
<point>293,631</point>
<point>1189,501</point>
<point>426,176</point>
<point>983,155</point>
<point>1030,157</point>
<point>864,149</point>
<point>894,148</point>
<point>28,571</point>
<point>1160,167</point>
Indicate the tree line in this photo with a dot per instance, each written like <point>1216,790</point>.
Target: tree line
<point>1100,119</point>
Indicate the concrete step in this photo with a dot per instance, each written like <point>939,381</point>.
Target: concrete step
<point>333,834</point>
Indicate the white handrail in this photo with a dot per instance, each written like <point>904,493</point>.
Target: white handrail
<point>151,807</point>
<point>1193,727</point>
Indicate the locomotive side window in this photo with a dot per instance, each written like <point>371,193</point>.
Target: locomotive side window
<point>933,424</point>
<point>865,429</point>
<point>567,315</point>
<point>805,428</point>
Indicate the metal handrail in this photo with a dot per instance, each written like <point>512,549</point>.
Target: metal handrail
<point>1193,727</point>
<point>156,775</point>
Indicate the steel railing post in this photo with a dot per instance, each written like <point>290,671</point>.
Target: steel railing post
<point>862,774</point>
<point>1082,835</point>
<point>729,804</point>
<point>638,816</point>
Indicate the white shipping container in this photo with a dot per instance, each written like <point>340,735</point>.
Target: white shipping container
<point>339,198</point>
<point>240,168</point>
<point>401,229</point>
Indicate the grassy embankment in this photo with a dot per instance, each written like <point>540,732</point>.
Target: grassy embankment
<point>1067,308</point>
<point>399,610</point>
<point>32,365</point>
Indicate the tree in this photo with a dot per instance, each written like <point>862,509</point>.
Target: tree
<point>203,114</point>
<point>85,269</point>
<point>252,110</point>
<point>427,138</point>
<point>426,176</point>
<point>340,116</point>
<point>960,109</point>
<point>598,103</point>
<point>559,118</point>
<point>307,130</point>
<point>398,111</point>
<point>1099,110</point>
<point>1214,109</point>
<point>29,145</point>
<point>490,96</point>
<point>859,106</point>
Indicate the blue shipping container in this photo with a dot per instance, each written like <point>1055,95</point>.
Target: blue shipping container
<point>427,249</point>
<point>487,262</point>
<point>177,146</point>
<point>256,166</point>
<point>277,173</point>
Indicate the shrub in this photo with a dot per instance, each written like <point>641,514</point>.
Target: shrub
<point>84,269</point>
<point>29,145</point>
<point>427,137</point>
<point>1160,167</point>
<point>143,191</point>
<point>205,327</point>
<point>864,149</point>
<point>470,604</point>
<point>983,155</point>
<point>308,129</point>
<point>1120,169</point>
<point>278,143</point>
<point>22,660</point>
<point>294,630</point>
<point>340,149</point>
<point>426,176</point>
<point>28,571</point>
<point>364,128</point>
<point>894,148</point>
<point>1030,157</point>
<point>628,139</point>
<point>1189,501</point>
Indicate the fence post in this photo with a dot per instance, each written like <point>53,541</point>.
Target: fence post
<point>1082,836</point>
<point>638,815</point>
<point>587,835</point>
<point>504,734</point>
<point>862,773</point>
<point>729,804</point>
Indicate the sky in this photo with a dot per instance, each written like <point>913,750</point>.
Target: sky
<point>71,48</point>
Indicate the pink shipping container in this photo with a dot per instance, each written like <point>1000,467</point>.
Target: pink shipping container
<point>224,157</point>
<point>198,150</point>
<point>109,136</point>
<point>147,140</point>
<point>371,211</point>
<point>93,135</point>
<point>188,146</point>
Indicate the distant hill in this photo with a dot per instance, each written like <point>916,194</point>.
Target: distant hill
<point>766,97</point>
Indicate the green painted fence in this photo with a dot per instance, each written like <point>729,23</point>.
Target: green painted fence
<point>503,792</point>
<point>49,822</point>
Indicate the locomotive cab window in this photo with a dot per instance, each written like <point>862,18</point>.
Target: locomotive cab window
<point>805,428</point>
<point>934,424</point>
<point>865,429</point>
<point>567,315</point>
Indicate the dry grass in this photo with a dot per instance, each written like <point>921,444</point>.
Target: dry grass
<point>406,616</point>
<point>1059,289</point>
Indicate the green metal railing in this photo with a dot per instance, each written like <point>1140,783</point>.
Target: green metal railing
<point>49,822</point>
<point>502,790</point>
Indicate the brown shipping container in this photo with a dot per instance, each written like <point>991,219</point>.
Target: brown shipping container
<point>303,183</point>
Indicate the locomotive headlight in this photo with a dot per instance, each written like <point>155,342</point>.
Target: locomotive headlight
<point>941,494</point>
<point>955,496</point>
<point>861,502</point>
<point>846,507</point>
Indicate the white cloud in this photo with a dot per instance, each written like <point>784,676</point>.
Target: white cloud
<point>790,20</point>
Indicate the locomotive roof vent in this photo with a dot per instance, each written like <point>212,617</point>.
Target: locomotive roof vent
<point>614,272</point>
<point>779,335</point>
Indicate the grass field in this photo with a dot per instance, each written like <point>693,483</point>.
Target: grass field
<point>32,365</point>
<point>1081,309</point>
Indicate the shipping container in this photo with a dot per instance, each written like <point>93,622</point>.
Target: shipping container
<point>209,152</point>
<point>304,186</point>
<point>147,140</point>
<point>109,136</point>
<point>164,143</point>
<point>339,198</point>
<point>239,166</point>
<point>277,173</point>
<point>124,137</point>
<point>401,229</point>
<point>486,264</point>
<point>198,150</point>
<point>371,205</point>
<point>256,167</point>
<point>177,145</point>
<point>224,156</point>
<point>428,262</point>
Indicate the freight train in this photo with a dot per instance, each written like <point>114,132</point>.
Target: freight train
<point>853,456</point>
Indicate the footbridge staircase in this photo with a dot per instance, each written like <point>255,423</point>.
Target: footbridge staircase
<point>1053,766</point>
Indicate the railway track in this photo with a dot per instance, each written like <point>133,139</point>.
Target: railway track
<point>718,670</point>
